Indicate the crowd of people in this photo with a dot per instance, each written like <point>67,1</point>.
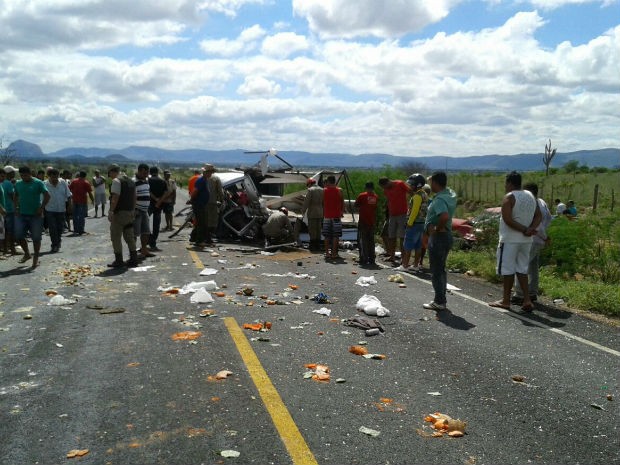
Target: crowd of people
<point>419,214</point>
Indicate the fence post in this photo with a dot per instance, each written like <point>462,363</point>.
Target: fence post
<point>595,202</point>
<point>613,200</point>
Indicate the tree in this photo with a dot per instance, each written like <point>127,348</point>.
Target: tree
<point>549,154</point>
<point>571,166</point>
<point>7,155</point>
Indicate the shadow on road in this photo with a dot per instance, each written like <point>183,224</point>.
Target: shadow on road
<point>457,322</point>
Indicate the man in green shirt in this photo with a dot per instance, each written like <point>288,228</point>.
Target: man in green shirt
<point>438,226</point>
<point>31,197</point>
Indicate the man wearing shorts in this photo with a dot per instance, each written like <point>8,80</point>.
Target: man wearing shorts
<point>31,197</point>
<point>416,216</point>
<point>520,218</point>
<point>100,198</point>
<point>333,209</point>
<point>396,192</point>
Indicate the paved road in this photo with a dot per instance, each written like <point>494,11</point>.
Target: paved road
<point>118,385</point>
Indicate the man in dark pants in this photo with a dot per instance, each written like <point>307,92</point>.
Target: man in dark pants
<point>159,194</point>
<point>438,226</point>
<point>56,208</point>
<point>366,204</point>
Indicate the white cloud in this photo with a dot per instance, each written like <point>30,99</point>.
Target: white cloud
<point>346,18</point>
<point>284,44</point>
<point>254,86</point>
<point>554,4</point>
<point>246,42</point>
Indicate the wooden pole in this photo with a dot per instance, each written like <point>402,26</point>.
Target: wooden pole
<point>595,201</point>
<point>613,200</point>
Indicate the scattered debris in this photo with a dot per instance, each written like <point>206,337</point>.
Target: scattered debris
<point>107,311</point>
<point>321,298</point>
<point>318,372</point>
<point>223,374</point>
<point>139,269</point>
<point>444,424</point>
<point>77,453</point>
<point>434,393</point>
<point>597,406</point>
<point>396,278</point>
<point>370,432</point>
<point>201,296</point>
<point>230,453</point>
<point>323,311</point>
<point>195,286</point>
<point>260,326</point>
<point>518,378</point>
<point>375,356</point>
<point>289,275</point>
<point>366,281</point>
<point>59,300</point>
<point>186,336</point>
<point>208,272</point>
<point>358,350</point>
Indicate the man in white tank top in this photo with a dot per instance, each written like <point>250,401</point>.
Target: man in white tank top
<point>520,218</point>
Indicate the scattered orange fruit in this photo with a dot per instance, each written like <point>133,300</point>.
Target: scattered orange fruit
<point>186,336</point>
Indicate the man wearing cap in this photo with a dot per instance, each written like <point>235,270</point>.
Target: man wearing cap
<point>121,217</point>
<point>168,205</point>
<point>99,185</point>
<point>8,185</point>
<point>366,204</point>
<point>313,207</point>
<point>216,198</point>
<point>31,197</point>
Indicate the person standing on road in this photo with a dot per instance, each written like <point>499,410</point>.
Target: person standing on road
<point>520,218</point>
<point>313,208</point>
<point>168,205</point>
<point>159,193</point>
<point>56,208</point>
<point>66,176</point>
<point>121,217</point>
<point>80,190</point>
<point>142,228</point>
<point>216,198</point>
<point>366,204</point>
<point>438,226</point>
<point>100,197</point>
<point>539,241</point>
<point>416,215</point>
<point>31,197</point>
<point>199,199</point>
<point>333,210</point>
<point>8,185</point>
<point>396,192</point>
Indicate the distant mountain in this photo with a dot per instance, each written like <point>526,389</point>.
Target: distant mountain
<point>25,149</point>
<point>609,158</point>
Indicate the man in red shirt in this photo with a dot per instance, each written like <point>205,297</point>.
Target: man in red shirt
<point>80,188</point>
<point>396,192</point>
<point>333,209</point>
<point>366,204</point>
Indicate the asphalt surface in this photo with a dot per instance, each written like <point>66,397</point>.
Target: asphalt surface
<point>77,377</point>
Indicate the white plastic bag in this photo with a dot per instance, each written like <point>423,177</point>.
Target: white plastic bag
<point>365,281</point>
<point>58,300</point>
<point>194,286</point>
<point>371,305</point>
<point>201,296</point>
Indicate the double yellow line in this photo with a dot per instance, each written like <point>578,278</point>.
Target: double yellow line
<point>294,442</point>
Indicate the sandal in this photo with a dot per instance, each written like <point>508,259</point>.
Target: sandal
<point>528,308</point>
<point>499,304</point>
<point>24,259</point>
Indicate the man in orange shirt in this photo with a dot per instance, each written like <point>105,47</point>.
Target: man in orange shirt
<point>333,209</point>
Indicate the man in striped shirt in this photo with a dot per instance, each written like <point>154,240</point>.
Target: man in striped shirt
<point>141,223</point>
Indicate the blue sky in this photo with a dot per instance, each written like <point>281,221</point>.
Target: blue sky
<point>407,77</point>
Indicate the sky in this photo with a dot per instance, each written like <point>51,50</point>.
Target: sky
<point>404,77</point>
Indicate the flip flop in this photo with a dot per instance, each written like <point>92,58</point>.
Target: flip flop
<point>24,259</point>
<point>499,304</point>
<point>528,308</point>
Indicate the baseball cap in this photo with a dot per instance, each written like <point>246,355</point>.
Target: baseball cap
<point>10,169</point>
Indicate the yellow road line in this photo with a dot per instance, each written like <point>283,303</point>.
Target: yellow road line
<point>294,442</point>
<point>197,260</point>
